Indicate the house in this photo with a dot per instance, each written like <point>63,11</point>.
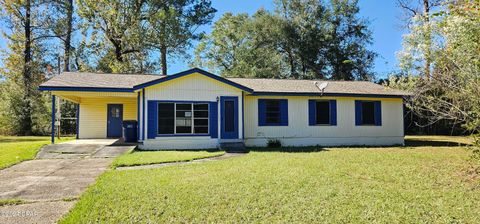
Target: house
<point>196,109</point>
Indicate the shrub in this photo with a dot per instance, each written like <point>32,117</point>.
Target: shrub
<point>274,143</point>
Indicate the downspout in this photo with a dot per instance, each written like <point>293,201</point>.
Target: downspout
<point>143,114</point>
<point>138,116</point>
<point>78,120</point>
<point>53,119</point>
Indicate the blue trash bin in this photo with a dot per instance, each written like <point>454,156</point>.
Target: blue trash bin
<point>130,131</point>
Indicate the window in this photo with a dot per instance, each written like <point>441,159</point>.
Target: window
<point>183,118</point>
<point>115,112</point>
<point>368,113</point>
<point>166,118</point>
<point>273,112</point>
<point>322,112</point>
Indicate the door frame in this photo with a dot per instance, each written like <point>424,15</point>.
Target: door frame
<point>108,116</point>
<point>235,133</point>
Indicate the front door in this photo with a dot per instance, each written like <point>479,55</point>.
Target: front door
<point>114,120</point>
<point>229,117</point>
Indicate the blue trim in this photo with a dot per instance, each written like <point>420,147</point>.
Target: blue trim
<point>84,89</point>
<point>283,112</point>
<point>312,112</point>
<point>183,135</point>
<point>138,116</point>
<point>223,134</point>
<point>243,116</point>
<point>191,71</point>
<point>358,112</point>
<point>312,118</point>
<point>182,101</point>
<point>213,116</point>
<point>333,112</point>
<point>378,113</point>
<point>143,114</point>
<point>53,119</point>
<point>78,120</point>
<point>324,94</point>
<point>153,118</point>
<point>262,112</point>
<point>152,124</point>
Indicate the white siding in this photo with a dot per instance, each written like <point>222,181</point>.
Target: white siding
<point>299,133</point>
<point>194,87</point>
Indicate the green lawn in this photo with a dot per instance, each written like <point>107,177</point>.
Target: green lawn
<point>152,157</point>
<point>14,149</point>
<point>421,184</point>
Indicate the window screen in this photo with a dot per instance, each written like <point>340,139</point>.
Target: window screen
<point>322,112</point>
<point>183,118</point>
<point>368,113</point>
<point>166,118</point>
<point>272,111</point>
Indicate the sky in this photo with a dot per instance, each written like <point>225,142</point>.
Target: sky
<point>383,17</point>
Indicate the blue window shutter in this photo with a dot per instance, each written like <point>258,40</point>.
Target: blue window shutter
<point>262,114</point>
<point>152,119</point>
<point>284,112</point>
<point>378,113</point>
<point>333,112</point>
<point>358,112</point>
<point>213,119</point>
<point>311,112</point>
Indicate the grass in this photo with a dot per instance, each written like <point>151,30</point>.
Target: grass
<point>153,157</point>
<point>4,202</point>
<point>15,149</point>
<point>421,184</point>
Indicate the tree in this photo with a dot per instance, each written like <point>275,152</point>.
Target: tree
<point>173,24</point>
<point>241,46</point>
<point>63,27</point>
<point>417,17</point>
<point>348,56</point>
<point>119,26</point>
<point>452,92</point>
<point>301,39</point>
<point>28,25</point>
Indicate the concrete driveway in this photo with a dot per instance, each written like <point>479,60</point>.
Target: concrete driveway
<point>50,184</point>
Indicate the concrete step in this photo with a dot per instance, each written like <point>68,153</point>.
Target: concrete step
<point>233,147</point>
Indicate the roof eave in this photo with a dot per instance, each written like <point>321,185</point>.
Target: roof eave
<point>258,93</point>
<point>85,89</point>
<point>191,71</point>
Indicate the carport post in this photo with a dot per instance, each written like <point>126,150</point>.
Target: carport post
<point>53,119</point>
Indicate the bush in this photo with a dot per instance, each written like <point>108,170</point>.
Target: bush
<point>274,143</point>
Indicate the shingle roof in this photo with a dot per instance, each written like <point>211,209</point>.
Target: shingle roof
<point>308,86</point>
<point>99,80</point>
<point>259,86</point>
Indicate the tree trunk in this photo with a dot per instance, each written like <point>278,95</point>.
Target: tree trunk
<point>118,52</point>
<point>68,36</point>
<point>26,119</point>
<point>163,46</point>
<point>428,37</point>
<point>163,58</point>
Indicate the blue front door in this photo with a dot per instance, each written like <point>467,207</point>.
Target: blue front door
<point>229,117</point>
<point>114,120</point>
